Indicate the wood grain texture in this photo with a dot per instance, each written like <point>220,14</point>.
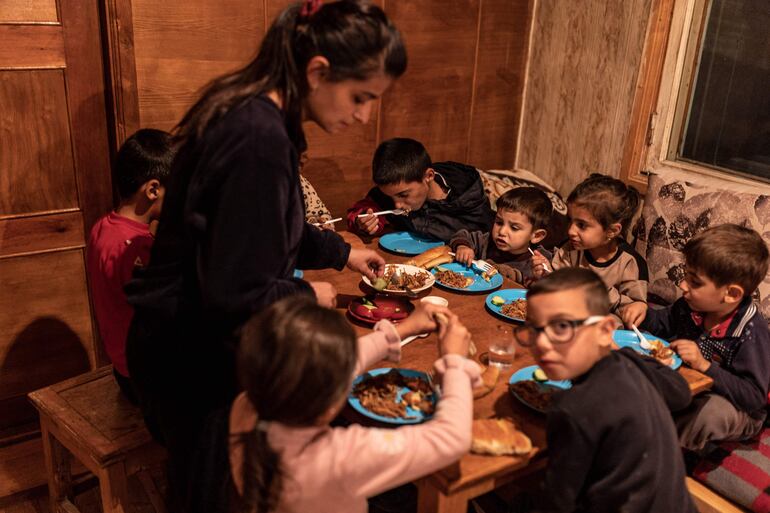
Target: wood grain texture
<point>41,233</point>
<point>431,102</point>
<point>500,67</point>
<point>37,169</point>
<point>582,75</point>
<point>46,326</point>
<point>28,11</point>
<point>31,46</point>
<point>180,45</point>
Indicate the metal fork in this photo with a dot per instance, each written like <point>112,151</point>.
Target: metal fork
<point>481,265</point>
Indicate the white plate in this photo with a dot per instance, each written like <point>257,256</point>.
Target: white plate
<point>409,269</point>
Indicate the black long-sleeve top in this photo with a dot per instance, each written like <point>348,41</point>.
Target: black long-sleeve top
<point>740,358</point>
<point>232,230</point>
<point>612,444</point>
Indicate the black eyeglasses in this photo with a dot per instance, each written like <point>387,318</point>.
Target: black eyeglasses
<point>558,331</point>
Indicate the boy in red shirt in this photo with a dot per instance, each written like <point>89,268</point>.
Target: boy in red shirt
<point>121,240</point>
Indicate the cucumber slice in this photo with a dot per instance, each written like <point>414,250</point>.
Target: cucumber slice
<point>498,301</point>
<point>379,284</point>
<point>539,375</point>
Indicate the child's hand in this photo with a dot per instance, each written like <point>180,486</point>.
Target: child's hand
<point>422,320</point>
<point>325,293</point>
<point>634,313</point>
<point>368,224</point>
<point>690,354</point>
<point>539,265</point>
<point>453,336</point>
<point>464,255</point>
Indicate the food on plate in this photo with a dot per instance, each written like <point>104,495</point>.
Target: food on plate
<point>497,301</point>
<point>453,279</point>
<point>516,309</point>
<point>379,394</point>
<point>539,375</point>
<point>660,352</point>
<point>438,254</point>
<point>380,308</point>
<point>487,275</point>
<point>499,437</point>
<point>537,395</point>
<point>397,279</point>
<point>379,284</point>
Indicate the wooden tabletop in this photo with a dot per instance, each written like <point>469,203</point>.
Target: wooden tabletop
<point>421,353</point>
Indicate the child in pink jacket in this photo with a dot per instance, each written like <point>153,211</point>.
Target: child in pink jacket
<point>296,362</point>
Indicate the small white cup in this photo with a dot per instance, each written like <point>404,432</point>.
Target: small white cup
<point>435,300</point>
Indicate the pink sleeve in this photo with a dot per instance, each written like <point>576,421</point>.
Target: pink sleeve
<point>361,207</point>
<point>371,460</point>
<point>383,343</point>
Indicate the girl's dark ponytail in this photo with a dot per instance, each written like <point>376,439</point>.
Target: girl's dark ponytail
<point>262,474</point>
<point>608,199</point>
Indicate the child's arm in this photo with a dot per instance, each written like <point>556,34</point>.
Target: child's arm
<point>370,461</point>
<point>570,454</point>
<point>660,322</point>
<point>363,225</point>
<point>467,245</point>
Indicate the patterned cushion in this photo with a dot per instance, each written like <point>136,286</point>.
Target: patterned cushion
<point>739,471</point>
<point>498,181</point>
<point>679,205</point>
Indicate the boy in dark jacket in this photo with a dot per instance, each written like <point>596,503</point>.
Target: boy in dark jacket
<point>717,330</point>
<point>439,198</point>
<point>612,444</point>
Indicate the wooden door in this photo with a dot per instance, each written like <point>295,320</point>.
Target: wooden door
<point>54,182</point>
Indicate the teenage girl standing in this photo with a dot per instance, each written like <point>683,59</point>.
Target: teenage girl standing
<point>233,229</point>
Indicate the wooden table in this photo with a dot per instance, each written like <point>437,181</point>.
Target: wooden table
<point>450,489</point>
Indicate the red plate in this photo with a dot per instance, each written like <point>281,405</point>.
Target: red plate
<point>389,308</point>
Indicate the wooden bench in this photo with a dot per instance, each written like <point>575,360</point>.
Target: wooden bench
<point>87,417</point>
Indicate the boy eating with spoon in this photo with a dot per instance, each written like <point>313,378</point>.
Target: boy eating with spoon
<point>433,200</point>
<point>612,444</point>
<point>716,328</point>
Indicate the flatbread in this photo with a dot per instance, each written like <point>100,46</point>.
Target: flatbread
<point>499,437</point>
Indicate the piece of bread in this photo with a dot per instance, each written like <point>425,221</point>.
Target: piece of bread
<point>425,257</point>
<point>441,259</point>
<point>499,437</point>
<point>489,380</point>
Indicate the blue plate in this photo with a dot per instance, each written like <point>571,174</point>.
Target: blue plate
<point>298,274</point>
<point>479,284</point>
<point>415,416</point>
<point>508,295</point>
<point>626,338</point>
<point>407,243</point>
<point>526,374</point>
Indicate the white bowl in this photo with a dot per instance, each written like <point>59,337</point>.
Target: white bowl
<point>409,269</point>
<point>435,300</point>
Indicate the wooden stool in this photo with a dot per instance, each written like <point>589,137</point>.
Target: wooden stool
<point>87,417</point>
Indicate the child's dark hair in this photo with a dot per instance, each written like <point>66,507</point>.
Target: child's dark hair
<point>729,253</point>
<point>399,160</point>
<point>356,37</point>
<point>146,155</point>
<point>530,201</point>
<point>569,278</point>
<point>295,361</point>
<point>608,199</point>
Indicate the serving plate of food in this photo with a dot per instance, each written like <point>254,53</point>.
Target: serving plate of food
<point>372,309</point>
<point>394,396</point>
<point>659,348</point>
<point>407,243</point>
<point>531,387</point>
<point>510,304</point>
<point>397,278</point>
<point>455,276</point>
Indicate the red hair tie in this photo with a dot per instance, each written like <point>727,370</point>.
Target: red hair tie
<point>310,8</point>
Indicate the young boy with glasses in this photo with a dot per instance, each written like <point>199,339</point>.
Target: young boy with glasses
<point>612,445</point>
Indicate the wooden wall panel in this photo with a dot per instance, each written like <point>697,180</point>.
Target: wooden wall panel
<point>500,69</point>
<point>35,234</point>
<point>182,44</point>
<point>31,46</point>
<point>39,175</point>
<point>431,102</point>
<point>47,340</point>
<point>583,70</point>
<point>28,11</point>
